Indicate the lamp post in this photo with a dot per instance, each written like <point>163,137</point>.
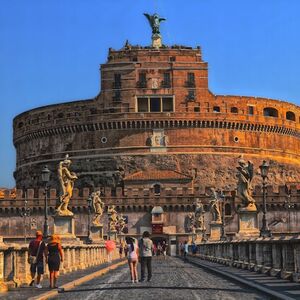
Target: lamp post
<point>45,178</point>
<point>25,214</point>
<point>264,231</point>
<point>89,201</point>
<point>288,205</point>
<point>223,234</point>
<point>108,225</point>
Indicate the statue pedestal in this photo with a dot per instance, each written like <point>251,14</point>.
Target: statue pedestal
<point>215,231</point>
<point>96,234</point>
<point>248,224</point>
<point>156,40</point>
<point>112,235</point>
<point>64,226</point>
<point>198,235</point>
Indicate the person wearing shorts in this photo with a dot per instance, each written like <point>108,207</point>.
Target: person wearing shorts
<point>132,258</point>
<point>37,248</point>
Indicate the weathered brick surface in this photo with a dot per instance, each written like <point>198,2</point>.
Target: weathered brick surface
<point>102,134</point>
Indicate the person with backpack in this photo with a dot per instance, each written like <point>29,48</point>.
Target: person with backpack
<point>146,248</point>
<point>36,259</point>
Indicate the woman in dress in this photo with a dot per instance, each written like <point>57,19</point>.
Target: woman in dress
<point>132,258</point>
<point>54,255</point>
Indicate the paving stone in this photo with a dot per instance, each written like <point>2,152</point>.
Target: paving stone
<point>172,279</point>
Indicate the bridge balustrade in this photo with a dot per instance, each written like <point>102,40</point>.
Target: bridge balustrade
<point>273,256</point>
<point>15,271</point>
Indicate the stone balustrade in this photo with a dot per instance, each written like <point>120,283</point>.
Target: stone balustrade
<point>15,270</point>
<point>278,256</point>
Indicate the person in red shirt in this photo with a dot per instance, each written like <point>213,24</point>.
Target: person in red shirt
<point>37,248</point>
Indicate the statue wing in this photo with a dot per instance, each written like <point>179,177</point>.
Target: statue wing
<point>162,19</point>
<point>149,18</point>
<point>250,170</point>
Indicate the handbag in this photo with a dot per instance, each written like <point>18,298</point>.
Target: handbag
<point>33,259</point>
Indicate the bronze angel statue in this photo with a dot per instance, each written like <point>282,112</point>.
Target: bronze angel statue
<point>154,21</point>
<point>244,188</point>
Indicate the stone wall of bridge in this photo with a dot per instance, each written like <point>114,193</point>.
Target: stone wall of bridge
<point>273,256</point>
<point>15,270</point>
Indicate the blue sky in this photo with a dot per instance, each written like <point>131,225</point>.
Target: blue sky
<point>50,51</point>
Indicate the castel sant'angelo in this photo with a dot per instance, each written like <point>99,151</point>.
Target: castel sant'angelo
<point>155,125</point>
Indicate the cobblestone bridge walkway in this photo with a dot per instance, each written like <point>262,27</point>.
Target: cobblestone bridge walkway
<point>172,279</point>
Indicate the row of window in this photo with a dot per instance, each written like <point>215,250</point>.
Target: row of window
<point>142,80</point>
<point>267,112</point>
<point>165,104</point>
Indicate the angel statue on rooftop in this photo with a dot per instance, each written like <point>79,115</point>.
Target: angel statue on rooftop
<point>154,21</point>
<point>66,179</point>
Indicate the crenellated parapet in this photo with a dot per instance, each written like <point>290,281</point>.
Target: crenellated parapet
<point>171,198</point>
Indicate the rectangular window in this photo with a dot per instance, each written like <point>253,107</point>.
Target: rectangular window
<point>251,110</point>
<point>190,79</point>
<point>117,82</point>
<point>155,105</point>
<point>142,104</point>
<point>167,80</point>
<point>117,96</point>
<point>191,95</point>
<point>142,83</point>
<point>167,104</point>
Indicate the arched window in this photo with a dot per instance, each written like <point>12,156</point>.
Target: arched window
<point>216,109</point>
<point>290,116</point>
<point>270,112</point>
<point>20,125</point>
<point>156,189</point>
<point>227,209</point>
<point>234,110</point>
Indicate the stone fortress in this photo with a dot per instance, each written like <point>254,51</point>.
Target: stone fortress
<point>155,135</point>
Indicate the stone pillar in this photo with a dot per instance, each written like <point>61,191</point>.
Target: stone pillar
<point>215,231</point>
<point>296,274</point>
<point>248,224</point>
<point>3,247</point>
<point>64,226</point>
<point>113,235</point>
<point>96,234</point>
<point>82,258</point>
<point>267,257</point>
<point>156,40</point>
<point>259,257</point>
<point>22,266</point>
<point>276,259</point>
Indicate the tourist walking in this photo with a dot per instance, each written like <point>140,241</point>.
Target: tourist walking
<point>121,249</point>
<point>186,251</point>
<point>146,248</point>
<point>194,249</point>
<point>132,258</point>
<point>36,259</point>
<point>164,249</point>
<point>54,256</point>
